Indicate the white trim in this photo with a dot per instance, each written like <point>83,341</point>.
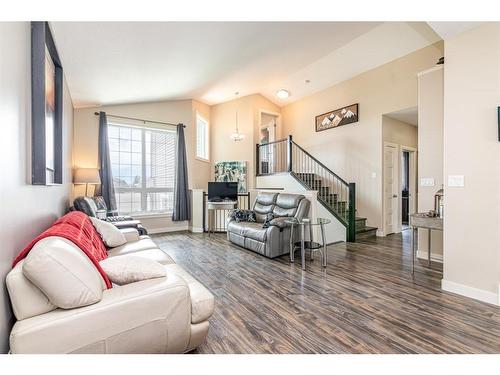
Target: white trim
<point>422,254</point>
<point>433,69</point>
<point>200,158</point>
<point>152,215</point>
<point>167,230</point>
<point>408,148</point>
<point>277,128</point>
<point>470,292</point>
<point>384,206</point>
<point>196,230</point>
<point>413,167</point>
<point>268,112</point>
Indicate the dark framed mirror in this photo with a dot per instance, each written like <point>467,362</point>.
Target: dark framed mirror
<point>46,107</point>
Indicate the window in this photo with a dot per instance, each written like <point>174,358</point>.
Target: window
<point>201,138</point>
<point>143,167</point>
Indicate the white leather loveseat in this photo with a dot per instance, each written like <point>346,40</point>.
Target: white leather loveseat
<point>162,315</point>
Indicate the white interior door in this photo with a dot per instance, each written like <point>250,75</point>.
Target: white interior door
<point>391,188</point>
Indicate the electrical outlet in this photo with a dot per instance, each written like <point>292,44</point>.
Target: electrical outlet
<point>427,181</point>
<point>456,181</point>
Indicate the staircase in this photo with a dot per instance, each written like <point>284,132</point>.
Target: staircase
<point>362,230</point>
<point>335,194</point>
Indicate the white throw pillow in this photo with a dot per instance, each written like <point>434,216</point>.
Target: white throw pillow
<point>63,273</point>
<point>128,269</point>
<point>110,234</point>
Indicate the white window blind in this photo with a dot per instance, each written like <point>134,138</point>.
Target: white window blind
<point>201,138</point>
<point>143,167</point>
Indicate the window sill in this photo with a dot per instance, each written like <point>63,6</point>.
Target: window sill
<point>152,215</point>
<point>201,159</point>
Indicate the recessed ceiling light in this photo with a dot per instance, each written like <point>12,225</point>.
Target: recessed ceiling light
<point>307,81</point>
<point>282,94</point>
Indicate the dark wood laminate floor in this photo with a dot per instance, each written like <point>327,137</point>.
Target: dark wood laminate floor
<point>365,301</point>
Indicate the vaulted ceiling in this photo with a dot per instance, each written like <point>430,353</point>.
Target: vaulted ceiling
<point>120,62</point>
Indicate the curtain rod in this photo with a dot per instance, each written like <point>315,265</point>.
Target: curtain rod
<point>140,119</point>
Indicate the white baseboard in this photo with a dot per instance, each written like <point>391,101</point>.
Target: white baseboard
<point>196,230</point>
<point>471,292</point>
<point>422,254</point>
<point>167,230</point>
<point>379,233</point>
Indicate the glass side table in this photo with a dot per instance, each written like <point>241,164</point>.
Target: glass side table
<point>308,245</point>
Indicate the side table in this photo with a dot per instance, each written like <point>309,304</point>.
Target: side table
<point>424,221</point>
<point>212,208</point>
<point>308,245</point>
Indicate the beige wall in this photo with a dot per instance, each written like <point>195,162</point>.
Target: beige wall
<point>223,119</point>
<point>430,152</point>
<point>472,149</point>
<point>399,132</point>
<point>355,151</point>
<point>182,111</point>
<point>26,210</point>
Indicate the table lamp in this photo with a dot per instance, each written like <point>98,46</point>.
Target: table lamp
<point>87,176</point>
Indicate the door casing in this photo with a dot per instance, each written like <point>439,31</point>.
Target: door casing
<point>413,178</point>
<point>390,203</point>
<point>397,219</point>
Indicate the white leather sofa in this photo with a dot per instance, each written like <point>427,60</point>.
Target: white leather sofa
<point>163,315</point>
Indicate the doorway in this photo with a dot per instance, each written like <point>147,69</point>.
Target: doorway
<point>269,158</point>
<point>408,184</point>
<point>399,186</point>
<point>405,187</point>
<point>268,125</point>
<point>399,169</point>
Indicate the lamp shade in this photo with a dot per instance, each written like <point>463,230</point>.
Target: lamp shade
<point>86,176</point>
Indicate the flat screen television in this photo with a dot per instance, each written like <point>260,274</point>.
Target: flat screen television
<point>220,191</point>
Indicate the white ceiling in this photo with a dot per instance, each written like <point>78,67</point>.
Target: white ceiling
<point>447,30</point>
<point>409,115</point>
<point>121,62</point>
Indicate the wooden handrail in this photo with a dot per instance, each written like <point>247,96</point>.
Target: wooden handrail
<point>271,143</point>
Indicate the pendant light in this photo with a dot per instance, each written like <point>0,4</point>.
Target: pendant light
<point>237,136</point>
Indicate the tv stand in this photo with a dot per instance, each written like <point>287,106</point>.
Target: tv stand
<point>213,207</point>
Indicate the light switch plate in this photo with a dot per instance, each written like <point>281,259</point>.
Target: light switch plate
<point>427,181</point>
<point>456,180</point>
<point>374,174</point>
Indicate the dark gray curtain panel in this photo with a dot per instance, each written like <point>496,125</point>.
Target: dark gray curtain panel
<point>107,189</point>
<point>182,204</point>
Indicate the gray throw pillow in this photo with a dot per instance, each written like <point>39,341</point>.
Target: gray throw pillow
<point>275,220</point>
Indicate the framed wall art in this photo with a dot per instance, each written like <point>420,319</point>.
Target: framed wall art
<point>232,171</point>
<point>338,117</point>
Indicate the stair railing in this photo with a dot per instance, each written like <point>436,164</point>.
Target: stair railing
<point>271,157</point>
<point>337,195</point>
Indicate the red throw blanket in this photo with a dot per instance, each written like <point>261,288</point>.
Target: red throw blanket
<point>77,228</point>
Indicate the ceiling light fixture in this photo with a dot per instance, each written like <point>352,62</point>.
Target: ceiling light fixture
<point>282,94</point>
<point>237,136</point>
